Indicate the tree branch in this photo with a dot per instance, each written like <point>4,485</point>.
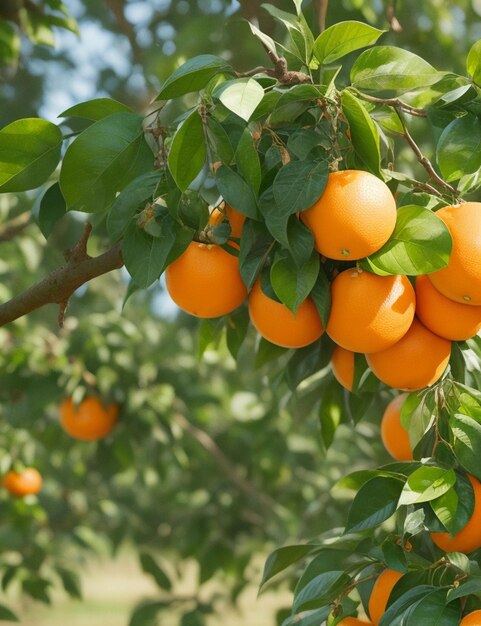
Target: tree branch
<point>393,102</point>
<point>391,17</point>
<point>321,9</point>
<point>10,229</point>
<point>280,71</point>
<point>425,162</point>
<point>59,285</point>
<point>117,8</point>
<point>229,470</point>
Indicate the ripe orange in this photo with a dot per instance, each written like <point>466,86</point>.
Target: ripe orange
<point>353,621</point>
<point>471,619</point>
<point>448,319</point>
<point>369,313</point>
<point>393,434</point>
<point>415,361</point>
<point>469,538</point>
<point>276,323</point>
<point>380,594</point>
<point>29,481</point>
<point>90,420</point>
<point>205,281</point>
<point>234,217</point>
<point>460,280</point>
<point>353,218</point>
<point>342,363</point>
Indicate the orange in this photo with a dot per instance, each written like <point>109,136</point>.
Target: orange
<point>353,218</point>
<point>205,281</point>
<point>469,538</point>
<point>471,619</point>
<point>24,483</point>
<point>90,420</point>
<point>235,219</point>
<point>415,361</point>
<point>342,363</point>
<point>380,594</point>
<point>460,280</point>
<point>369,313</point>
<point>448,319</point>
<point>276,323</point>
<point>393,434</point>
<point>353,621</point>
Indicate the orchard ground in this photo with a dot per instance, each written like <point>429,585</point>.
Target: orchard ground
<point>113,587</point>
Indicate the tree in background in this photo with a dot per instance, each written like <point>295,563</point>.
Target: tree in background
<point>172,474</point>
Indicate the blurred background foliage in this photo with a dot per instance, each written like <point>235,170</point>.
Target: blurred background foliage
<point>212,463</point>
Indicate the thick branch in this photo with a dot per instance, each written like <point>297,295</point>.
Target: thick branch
<point>10,229</point>
<point>57,287</point>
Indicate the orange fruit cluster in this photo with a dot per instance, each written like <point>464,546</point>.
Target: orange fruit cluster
<point>405,329</point>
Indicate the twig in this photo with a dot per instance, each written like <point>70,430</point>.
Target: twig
<point>10,229</point>
<point>223,461</point>
<point>59,285</point>
<point>280,71</point>
<point>391,17</point>
<point>393,102</point>
<point>425,162</point>
<point>321,14</point>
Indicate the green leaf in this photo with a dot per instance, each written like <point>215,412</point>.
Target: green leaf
<point>247,160</point>
<point>29,153</point>
<point>465,589</point>
<point>95,109</point>
<point>429,610</point>
<point>10,44</point>
<point>298,185</point>
<point>402,605</point>
<point>320,590</point>
<point>301,37</point>
<point>374,503</point>
<point>421,243</point>
<point>241,96</point>
<point>146,257</point>
<point>219,141</point>
<point>127,203</point>
<point>458,152</point>
<point>146,613</point>
<point>237,326</point>
<point>52,208</point>
<point>193,76</point>
<point>473,62</point>
<point>267,41</point>
<point>187,153</point>
<point>150,566</point>
<point>343,38</point>
<point>364,133</point>
<point>70,582</point>
<point>291,284</point>
<point>388,67</point>
<point>445,508</point>
<point>427,483</point>
<point>321,294</point>
<point>394,555</point>
<point>331,414</point>
<point>236,192</point>
<point>256,244</point>
<point>281,558</point>
<point>467,442</point>
<point>90,183</point>
<point>7,615</point>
